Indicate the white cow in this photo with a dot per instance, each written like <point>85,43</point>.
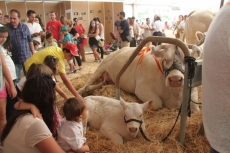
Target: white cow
<point>145,75</point>
<point>116,120</point>
<point>198,20</point>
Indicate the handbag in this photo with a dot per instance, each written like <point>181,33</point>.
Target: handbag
<point>129,38</point>
<point>101,43</point>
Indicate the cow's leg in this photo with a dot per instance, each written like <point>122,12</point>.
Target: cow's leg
<point>145,95</point>
<point>91,81</point>
<point>111,134</point>
<point>93,87</point>
<point>194,97</point>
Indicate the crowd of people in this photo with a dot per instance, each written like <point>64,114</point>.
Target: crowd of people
<point>40,51</point>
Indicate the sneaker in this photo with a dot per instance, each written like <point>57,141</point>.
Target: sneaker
<point>96,61</point>
<point>100,60</point>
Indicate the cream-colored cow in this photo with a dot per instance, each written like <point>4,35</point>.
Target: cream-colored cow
<point>156,75</point>
<point>198,20</point>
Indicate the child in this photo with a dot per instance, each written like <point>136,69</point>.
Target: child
<point>75,37</point>
<point>50,41</point>
<point>36,45</point>
<point>5,78</point>
<point>70,129</point>
<point>68,39</point>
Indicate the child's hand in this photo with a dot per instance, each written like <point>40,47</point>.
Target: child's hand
<point>35,111</point>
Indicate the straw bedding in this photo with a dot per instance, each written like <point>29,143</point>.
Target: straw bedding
<point>158,124</point>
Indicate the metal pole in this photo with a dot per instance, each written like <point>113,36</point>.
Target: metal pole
<point>184,107</point>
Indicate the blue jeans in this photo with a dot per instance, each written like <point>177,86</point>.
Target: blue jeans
<point>18,68</point>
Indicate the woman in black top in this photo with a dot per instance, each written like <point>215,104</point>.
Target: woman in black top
<point>93,40</point>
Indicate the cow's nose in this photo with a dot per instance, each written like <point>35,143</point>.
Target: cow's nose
<point>132,130</point>
<point>175,81</point>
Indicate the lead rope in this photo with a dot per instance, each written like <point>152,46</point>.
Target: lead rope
<point>191,71</point>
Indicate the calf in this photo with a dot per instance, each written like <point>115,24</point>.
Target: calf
<point>117,120</point>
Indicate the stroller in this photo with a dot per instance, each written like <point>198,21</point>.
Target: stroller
<point>114,44</point>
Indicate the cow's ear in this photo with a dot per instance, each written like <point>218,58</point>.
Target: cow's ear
<point>123,103</point>
<point>199,35</point>
<point>148,105</point>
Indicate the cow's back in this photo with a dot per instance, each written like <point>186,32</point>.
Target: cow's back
<point>198,20</point>
<point>146,69</point>
<point>101,110</point>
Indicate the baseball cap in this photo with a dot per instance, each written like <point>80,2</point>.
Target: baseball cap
<point>72,47</point>
<point>64,28</point>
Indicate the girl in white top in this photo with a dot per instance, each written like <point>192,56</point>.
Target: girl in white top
<point>4,75</point>
<point>26,134</point>
<point>70,130</point>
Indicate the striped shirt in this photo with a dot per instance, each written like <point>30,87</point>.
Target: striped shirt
<point>20,38</point>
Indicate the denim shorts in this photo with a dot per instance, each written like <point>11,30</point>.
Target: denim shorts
<point>94,46</point>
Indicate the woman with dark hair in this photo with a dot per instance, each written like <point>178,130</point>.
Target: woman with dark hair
<point>82,37</point>
<point>100,26</point>
<point>25,133</point>
<point>39,20</point>
<point>93,42</point>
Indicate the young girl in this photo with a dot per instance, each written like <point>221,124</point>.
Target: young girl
<point>93,42</point>
<point>50,41</point>
<point>5,78</point>
<point>25,133</point>
<point>70,130</point>
<point>37,69</point>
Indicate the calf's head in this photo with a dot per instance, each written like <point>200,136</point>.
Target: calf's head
<point>172,59</point>
<point>133,115</point>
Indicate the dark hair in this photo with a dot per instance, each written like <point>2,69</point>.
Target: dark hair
<point>40,21</point>
<point>51,62</point>
<point>66,50</point>
<point>29,12</point>
<point>35,43</point>
<point>73,108</point>
<point>122,13</point>
<point>48,35</point>
<point>91,27</point>
<point>37,69</point>
<point>15,11</point>
<point>43,98</point>
<point>6,16</point>
<point>7,44</point>
<point>74,19</point>
<point>96,19</point>
<point>133,17</point>
<point>147,19</point>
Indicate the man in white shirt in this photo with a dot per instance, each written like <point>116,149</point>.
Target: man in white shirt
<point>158,29</point>
<point>147,29</point>
<point>34,28</point>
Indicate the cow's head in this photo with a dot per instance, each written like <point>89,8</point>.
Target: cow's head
<point>133,116</point>
<point>172,59</point>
